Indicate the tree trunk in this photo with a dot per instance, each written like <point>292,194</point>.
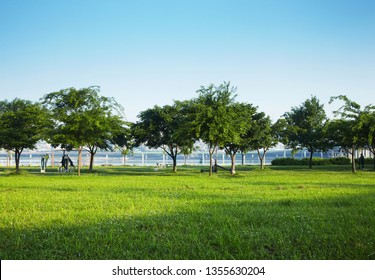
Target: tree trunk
<point>174,159</point>
<point>233,165</point>
<point>91,161</point>
<point>92,151</point>
<point>52,158</point>
<point>261,159</point>
<point>17,156</point>
<point>79,160</point>
<point>211,152</point>
<point>353,159</point>
<point>243,158</point>
<point>173,154</point>
<point>210,171</point>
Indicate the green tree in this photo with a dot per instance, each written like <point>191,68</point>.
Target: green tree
<point>262,136</point>
<point>355,127</point>
<point>124,142</point>
<point>163,127</point>
<point>22,124</point>
<point>211,117</point>
<point>305,126</point>
<point>341,134</point>
<point>186,151</point>
<point>367,126</point>
<point>107,132</point>
<point>82,118</point>
<point>240,116</point>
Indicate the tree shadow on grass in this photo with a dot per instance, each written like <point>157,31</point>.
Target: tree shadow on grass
<point>181,170</point>
<point>334,228</point>
<point>103,171</point>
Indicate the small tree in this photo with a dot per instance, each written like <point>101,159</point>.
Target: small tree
<point>341,134</point>
<point>241,115</point>
<point>124,142</point>
<point>210,114</point>
<point>367,126</point>
<point>163,127</point>
<point>22,123</point>
<point>263,136</point>
<point>83,118</point>
<point>106,133</point>
<point>305,127</point>
<point>186,151</point>
<point>354,129</point>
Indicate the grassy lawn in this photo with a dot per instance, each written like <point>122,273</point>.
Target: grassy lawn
<point>139,213</point>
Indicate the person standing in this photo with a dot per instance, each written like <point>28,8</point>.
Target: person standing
<point>361,162</point>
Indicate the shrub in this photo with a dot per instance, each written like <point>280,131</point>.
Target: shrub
<point>315,161</point>
<point>285,162</point>
<point>340,161</point>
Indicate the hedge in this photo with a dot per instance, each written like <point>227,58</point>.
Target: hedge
<point>315,161</point>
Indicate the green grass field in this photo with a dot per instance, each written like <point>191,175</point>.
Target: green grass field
<point>139,213</point>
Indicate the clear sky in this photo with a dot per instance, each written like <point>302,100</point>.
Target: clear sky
<point>277,53</point>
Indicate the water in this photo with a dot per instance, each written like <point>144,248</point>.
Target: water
<point>151,158</point>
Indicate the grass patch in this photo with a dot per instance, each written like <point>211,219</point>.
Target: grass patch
<point>140,213</point>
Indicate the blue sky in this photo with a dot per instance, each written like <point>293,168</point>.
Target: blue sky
<point>277,53</point>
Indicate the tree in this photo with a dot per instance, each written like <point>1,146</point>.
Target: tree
<point>22,123</point>
<point>186,151</point>
<point>305,127</point>
<point>240,116</point>
<point>124,142</point>
<point>163,127</point>
<point>262,136</point>
<point>83,118</point>
<point>107,132</point>
<point>211,119</point>
<point>340,132</point>
<point>355,126</point>
<point>367,126</point>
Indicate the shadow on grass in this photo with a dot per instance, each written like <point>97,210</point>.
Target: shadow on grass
<point>333,228</point>
<point>114,171</point>
<point>181,170</point>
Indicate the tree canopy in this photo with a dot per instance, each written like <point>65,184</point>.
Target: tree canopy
<point>261,136</point>
<point>22,124</point>
<point>240,117</point>
<point>305,127</point>
<point>83,118</point>
<point>164,127</point>
<point>355,128</point>
<point>211,117</point>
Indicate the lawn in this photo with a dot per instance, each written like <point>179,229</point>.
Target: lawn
<point>139,213</point>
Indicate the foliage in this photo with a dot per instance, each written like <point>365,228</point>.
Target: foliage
<point>260,136</point>
<point>340,132</point>
<point>305,126</point>
<point>22,123</point>
<point>83,118</point>
<point>163,127</point>
<point>340,161</point>
<point>306,161</point>
<point>241,120</point>
<point>367,130</point>
<point>355,128</point>
<point>211,116</point>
